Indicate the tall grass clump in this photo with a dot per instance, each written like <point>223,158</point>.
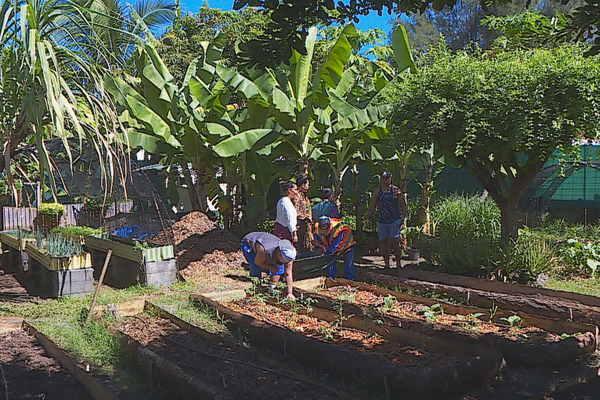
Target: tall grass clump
<point>527,257</point>
<point>466,235</point>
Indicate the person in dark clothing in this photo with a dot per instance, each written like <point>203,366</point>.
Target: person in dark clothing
<point>267,253</point>
<point>390,202</point>
<point>326,207</point>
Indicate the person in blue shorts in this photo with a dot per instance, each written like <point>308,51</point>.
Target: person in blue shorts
<point>268,253</point>
<point>390,202</point>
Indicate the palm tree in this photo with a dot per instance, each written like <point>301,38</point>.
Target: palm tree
<point>49,86</point>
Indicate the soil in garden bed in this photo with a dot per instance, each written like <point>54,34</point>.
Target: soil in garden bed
<point>30,374</point>
<point>537,304</point>
<point>238,380</point>
<point>414,310</point>
<point>562,383</point>
<point>359,340</point>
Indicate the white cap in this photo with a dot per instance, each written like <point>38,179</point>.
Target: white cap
<point>287,250</point>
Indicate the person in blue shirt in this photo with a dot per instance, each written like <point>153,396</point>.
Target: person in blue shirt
<point>391,206</point>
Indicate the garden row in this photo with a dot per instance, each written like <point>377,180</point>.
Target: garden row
<point>66,264</point>
<point>396,344</point>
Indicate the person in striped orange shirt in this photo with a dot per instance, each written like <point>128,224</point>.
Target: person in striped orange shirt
<point>334,237</point>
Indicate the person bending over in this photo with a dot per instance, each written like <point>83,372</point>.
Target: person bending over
<point>267,253</point>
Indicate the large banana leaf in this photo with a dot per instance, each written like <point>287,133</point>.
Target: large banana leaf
<point>402,53</point>
<point>240,142</point>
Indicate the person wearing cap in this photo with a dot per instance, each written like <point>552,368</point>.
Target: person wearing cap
<point>334,237</point>
<point>268,253</point>
<point>391,205</point>
<point>326,207</point>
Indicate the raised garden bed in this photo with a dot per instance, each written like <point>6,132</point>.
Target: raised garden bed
<point>60,276</point>
<point>130,264</point>
<point>409,365</point>
<point>35,368</point>
<point>14,258</point>
<point>522,339</point>
<point>194,364</point>
<point>510,297</point>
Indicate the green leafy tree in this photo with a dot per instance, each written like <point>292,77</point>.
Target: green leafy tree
<point>182,122</point>
<point>501,117</point>
<point>291,21</point>
<point>181,44</point>
<point>114,26</point>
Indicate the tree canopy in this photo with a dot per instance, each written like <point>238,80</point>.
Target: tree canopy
<point>291,20</point>
<point>501,115</point>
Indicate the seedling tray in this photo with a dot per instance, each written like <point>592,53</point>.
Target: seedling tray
<point>400,381</point>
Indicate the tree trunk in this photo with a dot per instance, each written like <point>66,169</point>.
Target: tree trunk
<point>358,202</point>
<point>509,217</point>
<point>423,215</point>
<point>193,193</point>
<point>303,166</point>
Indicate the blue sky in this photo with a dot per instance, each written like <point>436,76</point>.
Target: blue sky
<point>367,22</point>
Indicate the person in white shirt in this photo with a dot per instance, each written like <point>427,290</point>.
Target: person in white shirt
<point>286,223</point>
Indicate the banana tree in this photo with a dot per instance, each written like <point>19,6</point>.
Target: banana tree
<point>183,122</point>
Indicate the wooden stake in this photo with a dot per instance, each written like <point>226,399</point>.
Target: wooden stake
<point>104,268</point>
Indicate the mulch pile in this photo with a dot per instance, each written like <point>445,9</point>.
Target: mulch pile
<point>207,253</point>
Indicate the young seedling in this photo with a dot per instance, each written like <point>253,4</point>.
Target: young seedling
<point>340,318</point>
<point>513,321</point>
<point>389,303</point>
<point>433,312</point>
<point>493,311</point>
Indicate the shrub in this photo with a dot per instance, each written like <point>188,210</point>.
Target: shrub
<point>466,216</point>
<point>52,209</point>
<point>472,256</point>
<point>78,231</point>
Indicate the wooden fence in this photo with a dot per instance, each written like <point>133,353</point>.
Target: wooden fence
<point>23,217</point>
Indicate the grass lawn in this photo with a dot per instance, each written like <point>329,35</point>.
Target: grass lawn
<point>62,321</point>
<point>589,286</point>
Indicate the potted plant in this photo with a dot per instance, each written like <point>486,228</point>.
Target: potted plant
<point>412,234</point>
<point>49,215</point>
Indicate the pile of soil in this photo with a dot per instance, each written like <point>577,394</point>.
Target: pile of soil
<point>207,253</point>
<point>237,380</point>
<point>30,374</point>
